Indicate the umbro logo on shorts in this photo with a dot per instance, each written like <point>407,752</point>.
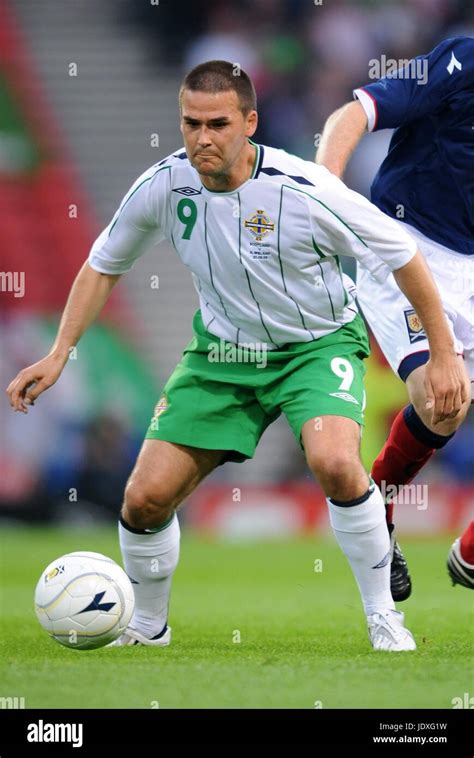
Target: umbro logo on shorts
<point>345,396</point>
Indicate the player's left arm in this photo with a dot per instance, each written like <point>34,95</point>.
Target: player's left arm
<point>346,223</point>
<point>444,384</point>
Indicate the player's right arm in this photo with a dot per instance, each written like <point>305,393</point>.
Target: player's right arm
<point>137,226</point>
<point>87,297</point>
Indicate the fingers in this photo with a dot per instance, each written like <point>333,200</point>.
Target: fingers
<point>18,394</point>
<point>448,406</point>
<point>429,392</point>
<point>438,411</point>
<point>40,387</point>
<point>445,391</point>
<point>462,393</point>
<point>448,403</point>
<point>15,392</point>
<point>39,377</point>
<point>434,402</point>
<point>457,398</point>
<point>457,402</point>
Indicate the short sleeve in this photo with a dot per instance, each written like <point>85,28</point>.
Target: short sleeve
<point>346,223</point>
<point>420,87</point>
<point>137,226</point>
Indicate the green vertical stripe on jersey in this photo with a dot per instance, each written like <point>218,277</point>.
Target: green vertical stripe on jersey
<point>148,179</point>
<point>240,251</point>
<point>341,220</point>
<point>346,299</point>
<point>297,189</point>
<point>240,227</point>
<point>321,254</point>
<point>270,339</point>
<point>210,264</point>
<point>171,219</point>
<point>328,293</point>
<point>317,249</point>
<point>200,292</point>
<point>281,269</point>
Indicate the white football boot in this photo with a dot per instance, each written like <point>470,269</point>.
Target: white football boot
<point>133,637</point>
<point>387,632</point>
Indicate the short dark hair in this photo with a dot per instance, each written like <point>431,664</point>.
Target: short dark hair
<point>222,76</point>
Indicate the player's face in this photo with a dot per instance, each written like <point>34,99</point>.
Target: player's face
<point>215,130</point>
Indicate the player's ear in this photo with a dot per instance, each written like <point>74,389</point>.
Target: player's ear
<point>251,123</point>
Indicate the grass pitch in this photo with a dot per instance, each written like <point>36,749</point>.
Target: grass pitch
<point>303,640</point>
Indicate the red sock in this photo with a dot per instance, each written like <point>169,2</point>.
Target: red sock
<point>400,459</point>
<point>467,544</point>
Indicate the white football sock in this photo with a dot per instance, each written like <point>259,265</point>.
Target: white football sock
<point>362,534</point>
<point>150,560</point>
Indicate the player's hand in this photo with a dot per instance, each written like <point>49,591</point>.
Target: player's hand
<point>445,387</point>
<point>42,375</point>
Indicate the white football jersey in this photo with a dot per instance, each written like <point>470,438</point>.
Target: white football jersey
<point>265,256</point>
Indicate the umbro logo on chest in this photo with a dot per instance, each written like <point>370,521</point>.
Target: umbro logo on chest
<point>187,191</point>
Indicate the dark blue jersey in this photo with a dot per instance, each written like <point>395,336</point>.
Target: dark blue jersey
<point>427,178</point>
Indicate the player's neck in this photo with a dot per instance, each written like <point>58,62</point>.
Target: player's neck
<point>241,171</point>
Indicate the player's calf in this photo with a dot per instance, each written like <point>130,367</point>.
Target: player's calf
<point>357,516</point>
<point>149,532</point>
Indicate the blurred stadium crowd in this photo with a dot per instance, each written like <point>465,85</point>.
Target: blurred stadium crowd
<point>305,58</point>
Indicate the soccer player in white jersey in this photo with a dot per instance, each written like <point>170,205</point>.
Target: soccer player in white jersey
<point>261,231</point>
<point>426,182</point>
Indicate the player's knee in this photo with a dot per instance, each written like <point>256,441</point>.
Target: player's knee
<point>417,394</point>
<point>143,510</point>
<point>337,471</point>
<point>330,463</point>
<point>446,427</point>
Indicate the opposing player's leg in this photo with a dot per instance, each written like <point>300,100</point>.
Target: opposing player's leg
<point>357,515</point>
<point>413,439</point>
<point>165,473</point>
<point>461,559</point>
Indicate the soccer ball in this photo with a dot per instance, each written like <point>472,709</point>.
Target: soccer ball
<point>84,600</point>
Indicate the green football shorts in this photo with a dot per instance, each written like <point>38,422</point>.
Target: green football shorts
<point>222,396</point>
